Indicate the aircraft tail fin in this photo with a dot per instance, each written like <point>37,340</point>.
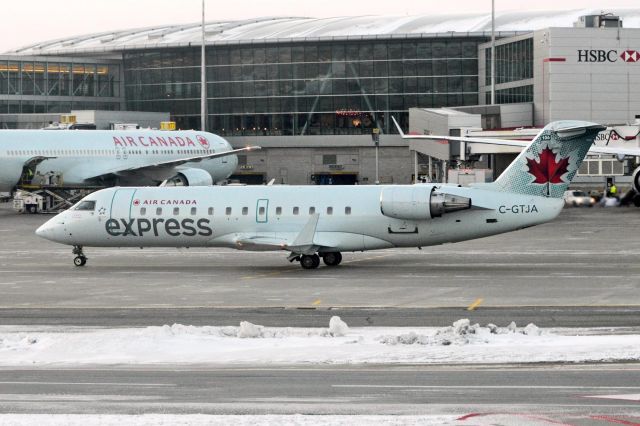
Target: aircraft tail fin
<point>548,165</point>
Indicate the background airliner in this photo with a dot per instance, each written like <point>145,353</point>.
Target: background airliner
<point>133,157</point>
<point>311,222</point>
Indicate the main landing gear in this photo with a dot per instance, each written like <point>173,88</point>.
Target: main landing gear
<point>80,259</point>
<point>312,261</point>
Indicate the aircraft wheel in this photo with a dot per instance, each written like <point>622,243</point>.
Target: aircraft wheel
<point>80,261</point>
<point>309,262</point>
<point>332,258</point>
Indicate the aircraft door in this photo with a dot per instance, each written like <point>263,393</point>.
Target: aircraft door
<point>123,203</point>
<point>262,211</point>
<point>121,154</point>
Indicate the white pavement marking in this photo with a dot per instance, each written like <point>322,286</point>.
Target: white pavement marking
<point>482,387</point>
<point>86,383</point>
<point>629,397</point>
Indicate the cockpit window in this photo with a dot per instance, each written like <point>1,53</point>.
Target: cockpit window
<point>86,205</point>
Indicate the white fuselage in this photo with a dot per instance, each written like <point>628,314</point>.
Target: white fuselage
<point>350,217</point>
<point>85,157</point>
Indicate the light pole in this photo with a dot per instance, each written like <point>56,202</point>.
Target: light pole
<point>375,135</point>
<point>203,81</point>
<point>493,52</point>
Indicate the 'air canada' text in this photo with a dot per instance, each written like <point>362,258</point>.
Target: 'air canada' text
<point>178,141</point>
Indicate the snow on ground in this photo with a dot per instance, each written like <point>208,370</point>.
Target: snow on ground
<point>201,420</point>
<point>254,344</point>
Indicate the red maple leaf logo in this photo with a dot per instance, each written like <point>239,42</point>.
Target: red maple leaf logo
<point>547,169</point>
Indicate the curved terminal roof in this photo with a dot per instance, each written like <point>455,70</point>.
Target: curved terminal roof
<point>281,29</point>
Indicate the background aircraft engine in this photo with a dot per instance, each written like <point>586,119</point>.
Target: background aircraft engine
<point>419,202</point>
<point>636,180</point>
<point>191,177</point>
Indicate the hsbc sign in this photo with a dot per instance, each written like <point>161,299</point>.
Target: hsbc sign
<point>611,55</point>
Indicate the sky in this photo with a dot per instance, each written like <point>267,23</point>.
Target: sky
<point>31,21</point>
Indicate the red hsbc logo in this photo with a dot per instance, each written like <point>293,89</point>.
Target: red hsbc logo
<point>630,56</point>
<point>611,55</point>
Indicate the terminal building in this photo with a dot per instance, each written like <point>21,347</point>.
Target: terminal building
<point>313,91</point>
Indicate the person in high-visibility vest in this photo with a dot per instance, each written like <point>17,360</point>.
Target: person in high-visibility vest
<point>613,190</point>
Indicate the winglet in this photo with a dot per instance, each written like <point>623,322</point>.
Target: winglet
<point>305,237</point>
<point>397,126</point>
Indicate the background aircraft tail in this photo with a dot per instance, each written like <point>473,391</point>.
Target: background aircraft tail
<point>547,166</point>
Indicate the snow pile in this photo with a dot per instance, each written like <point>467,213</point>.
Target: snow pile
<point>17,341</point>
<point>337,327</point>
<point>248,330</point>
<point>461,332</point>
<point>253,344</point>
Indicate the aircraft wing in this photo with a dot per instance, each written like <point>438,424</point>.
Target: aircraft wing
<point>304,242</point>
<point>173,163</point>
<point>633,152</point>
<point>195,159</point>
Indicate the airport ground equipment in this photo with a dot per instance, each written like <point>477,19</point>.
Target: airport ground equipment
<point>49,199</point>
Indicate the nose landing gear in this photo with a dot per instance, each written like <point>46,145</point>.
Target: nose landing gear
<point>80,259</point>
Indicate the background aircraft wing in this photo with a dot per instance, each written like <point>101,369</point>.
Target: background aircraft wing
<point>194,159</point>
<point>169,164</point>
<point>620,152</point>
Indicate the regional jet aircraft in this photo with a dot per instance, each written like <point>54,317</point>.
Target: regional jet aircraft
<point>313,222</point>
<point>134,157</point>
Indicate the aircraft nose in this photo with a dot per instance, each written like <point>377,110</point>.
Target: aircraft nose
<point>49,230</point>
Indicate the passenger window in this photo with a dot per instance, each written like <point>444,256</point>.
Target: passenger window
<point>86,206</point>
<point>278,211</point>
<point>312,210</point>
<point>210,211</point>
<point>347,210</point>
<point>143,211</point>
<point>176,211</point>
<point>245,211</point>
<point>228,211</point>
<point>329,210</point>
<point>159,211</point>
<point>296,211</point>
<point>261,210</point>
<point>193,211</point>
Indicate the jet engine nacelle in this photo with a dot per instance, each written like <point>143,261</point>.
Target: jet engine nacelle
<point>636,180</point>
<point>192,177</point>
<point>419,202</point>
